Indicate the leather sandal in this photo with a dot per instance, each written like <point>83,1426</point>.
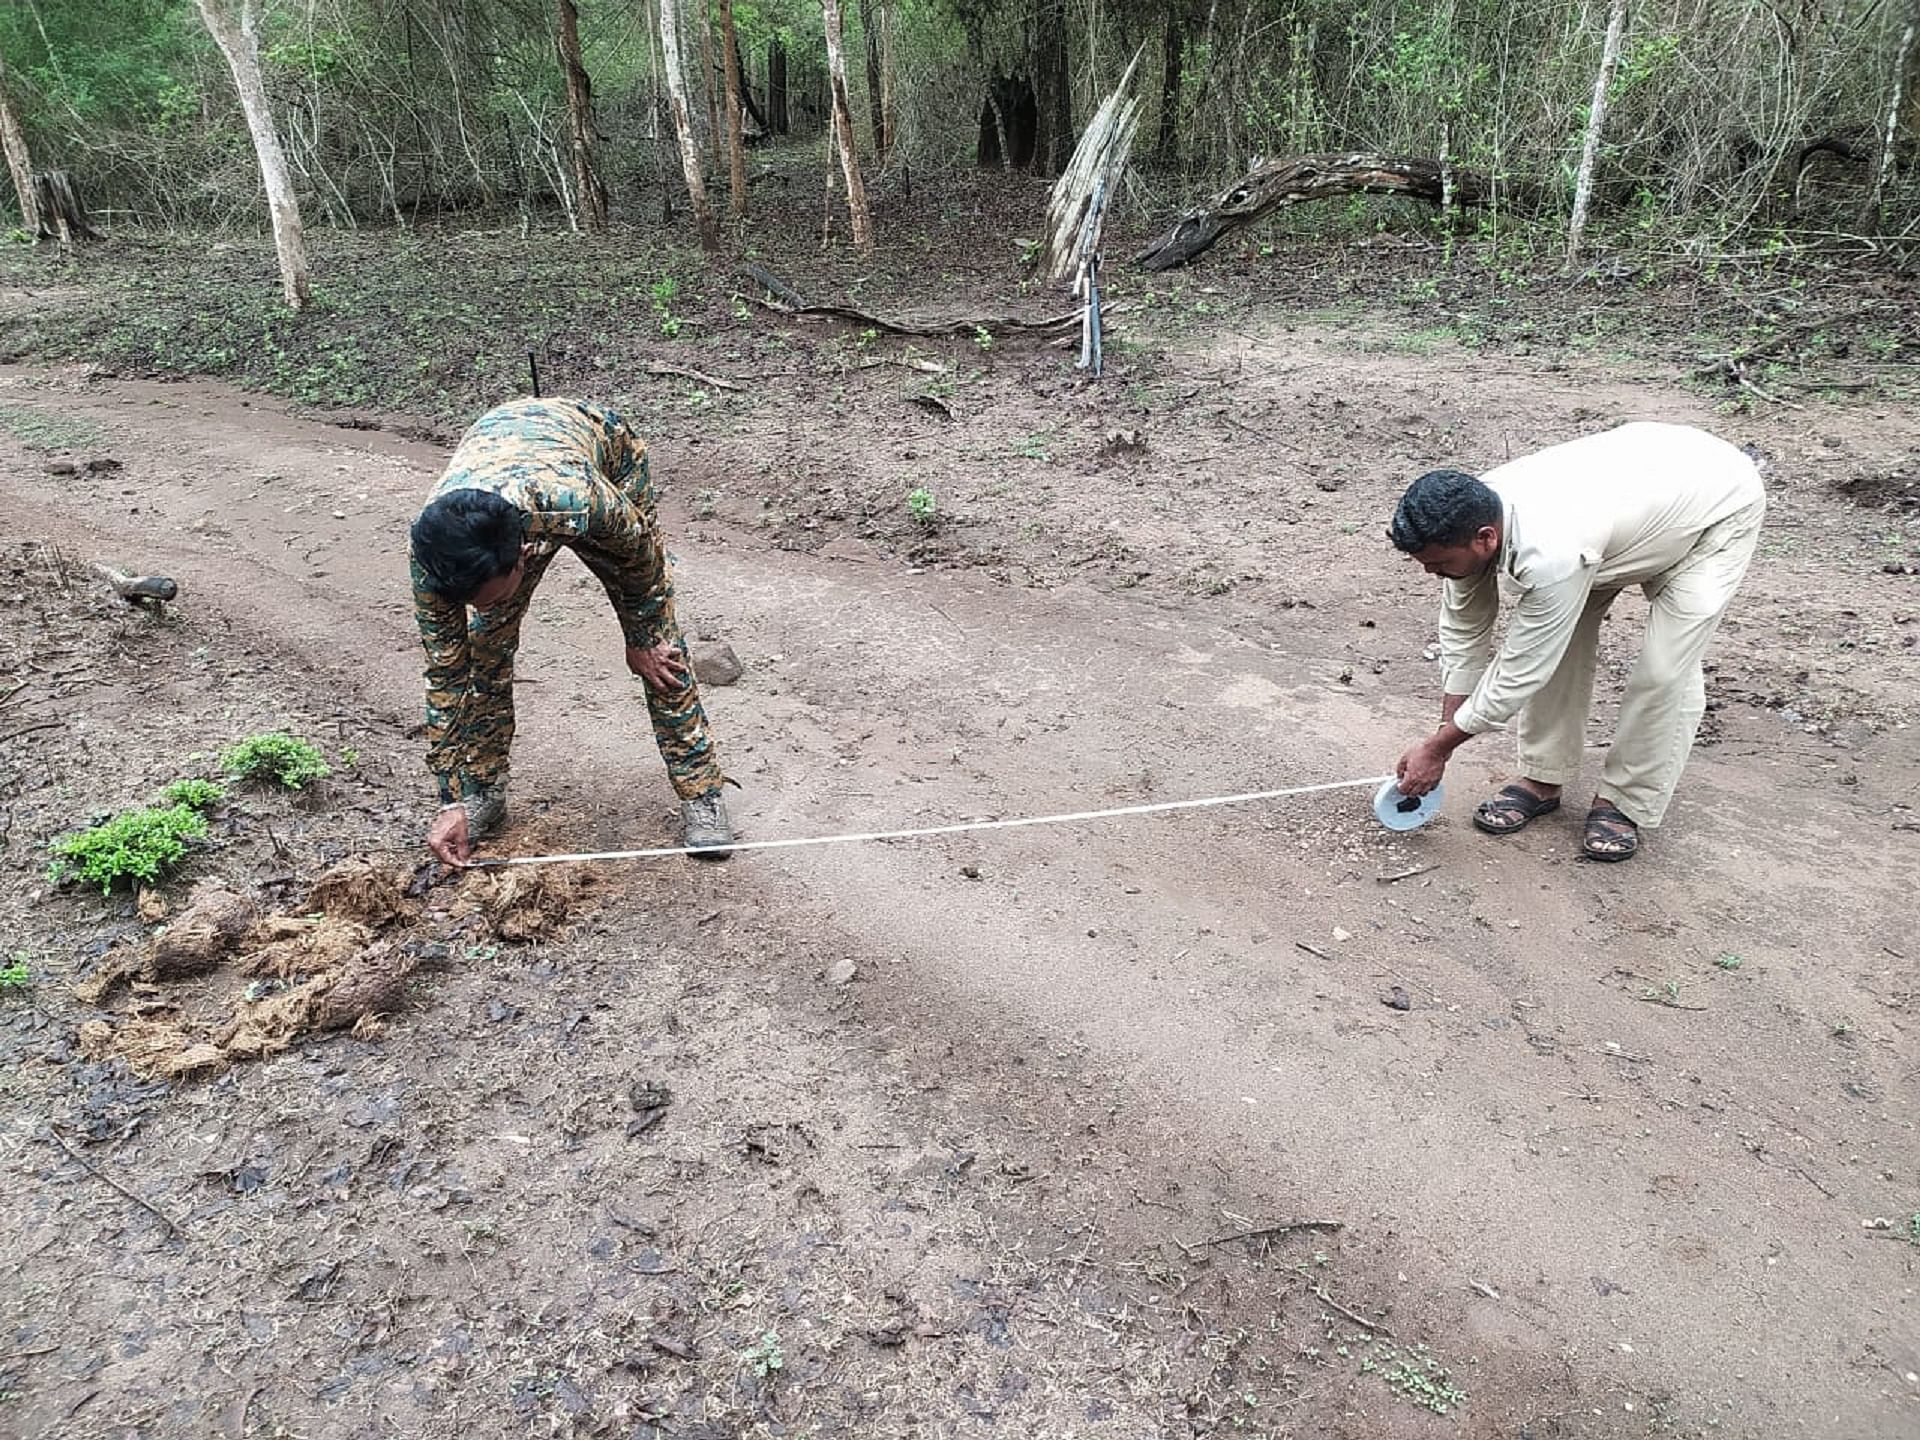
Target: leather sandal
<point>1512,810</point>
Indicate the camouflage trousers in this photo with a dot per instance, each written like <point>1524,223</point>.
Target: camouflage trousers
<point>643,601</point>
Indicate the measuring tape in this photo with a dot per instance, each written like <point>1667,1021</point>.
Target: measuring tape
<point>1065,818</point>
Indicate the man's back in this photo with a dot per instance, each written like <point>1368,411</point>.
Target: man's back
<point>1629,501</point>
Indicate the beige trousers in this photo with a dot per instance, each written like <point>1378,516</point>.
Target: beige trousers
<point>1666,692</point>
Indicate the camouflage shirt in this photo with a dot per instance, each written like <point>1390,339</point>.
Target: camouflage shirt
<point>579,475</point>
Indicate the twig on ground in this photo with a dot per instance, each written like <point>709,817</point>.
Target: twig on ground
<point>1400,875</point>
<point>660,367</point>
<point>1263,1232</point>
<point>1338,1308</point>
<point>1313,950</point>
<point>29,729</point>
<point>1481,1289</point>
<point>173,1225</point>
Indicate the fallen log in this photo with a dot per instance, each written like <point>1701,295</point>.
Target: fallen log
<point>1277,183</point>
<point>963,326</point>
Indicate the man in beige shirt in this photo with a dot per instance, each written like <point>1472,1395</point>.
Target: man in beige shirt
<point>1669,508</point>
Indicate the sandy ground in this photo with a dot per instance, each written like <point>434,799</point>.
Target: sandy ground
<point>1612,1186</point>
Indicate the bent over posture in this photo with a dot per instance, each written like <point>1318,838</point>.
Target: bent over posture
<point>529,478</point>
<point>1669,508</point>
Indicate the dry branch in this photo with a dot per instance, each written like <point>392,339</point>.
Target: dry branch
<point>135,588</point>
<point>1277,183</point>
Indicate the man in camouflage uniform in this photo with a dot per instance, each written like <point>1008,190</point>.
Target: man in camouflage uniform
<point>529,478</point>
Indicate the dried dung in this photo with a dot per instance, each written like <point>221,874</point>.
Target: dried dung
<point>150,1048</point>
<point>212,926</point>
<point>533,903</point>
<point>285,947</point>
<point>372,983</point>
<point>359,890</point>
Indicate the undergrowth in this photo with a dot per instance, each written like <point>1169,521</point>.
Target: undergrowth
<point>274,758</point>
<point>138,846</point>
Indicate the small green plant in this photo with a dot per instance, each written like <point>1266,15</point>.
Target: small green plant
<point>194,794</point>
<point>275,758</point>
<point>921,506</point>
<point>1727,960</point>
<point>350,757</point>
<point>983,337</point>
<point>663,291</point>
<point>17,975</point>
<point>1416,1376</point>
<point>765,1354</point>
<point>140,845</point>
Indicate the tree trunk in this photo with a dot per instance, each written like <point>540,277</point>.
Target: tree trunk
<point>61,215</point>
<point>683,127</point>
<point>19,162</point>
<point>747,102</point>
<point>886,78</point>
<point>592,203</point>
<point>1167,151</point>
<point>870,37</point>
<point>1311,177</point>
<point>1883,157</point>
<point>736,151</point>
<point>1596,123</point>
<point>1053,91</point>
<point>843,131</point>
<point>233,31</point>
<point>777,119</point>
<point>711,88</point>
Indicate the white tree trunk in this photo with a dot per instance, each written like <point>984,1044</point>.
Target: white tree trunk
<point>1596,123</point>
<point>683,126</point>
<point>231,23</point>
<point>1883,161</point>
<point>19,162</point>
<point>843,132</point>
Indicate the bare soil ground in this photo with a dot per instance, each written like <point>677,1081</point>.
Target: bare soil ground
<point>1009,1134</point>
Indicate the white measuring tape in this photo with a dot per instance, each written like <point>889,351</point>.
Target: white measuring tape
<point>1065,818</point>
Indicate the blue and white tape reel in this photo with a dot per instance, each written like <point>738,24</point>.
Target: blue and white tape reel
<point>1404,812</point>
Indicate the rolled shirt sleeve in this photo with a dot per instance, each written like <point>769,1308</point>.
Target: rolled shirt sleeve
<point>1537,636</point>
<point>1469,610</point>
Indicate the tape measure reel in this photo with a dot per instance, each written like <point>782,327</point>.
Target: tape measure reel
<point>1404,812</point>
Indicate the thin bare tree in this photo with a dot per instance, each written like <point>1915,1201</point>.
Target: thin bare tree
<point>857,214</point>
<point>1596,123</point>
<point>19,161</point>
<point>683,127</point>
<point>234,27</point>
<point>1889,132</point>
<point>591,197</point>
<point>736,144</point>
<point>876,109</point>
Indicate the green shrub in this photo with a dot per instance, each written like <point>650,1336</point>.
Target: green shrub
<point>194,794</point>
<point>275,758</point>
<point>140,845</point>
<point>17,975</point>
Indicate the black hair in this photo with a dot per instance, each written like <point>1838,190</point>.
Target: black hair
<point>1443,507</point>
<point>465,538</point>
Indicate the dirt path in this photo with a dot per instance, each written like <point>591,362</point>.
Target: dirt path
<point>1665,1198</point>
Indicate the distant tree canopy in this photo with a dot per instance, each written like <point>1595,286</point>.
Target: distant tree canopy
<point>1721,118</point>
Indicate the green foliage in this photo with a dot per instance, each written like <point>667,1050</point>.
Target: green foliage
<point>17,975</point>
<point>275,758</point>
<point>140,845</point>
<point>1415,1375</point>
<point>921,506</point>
<point>194,794</point>
<point>662,292</point>
<point>1727,960</point>
<point>765,1355</point>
